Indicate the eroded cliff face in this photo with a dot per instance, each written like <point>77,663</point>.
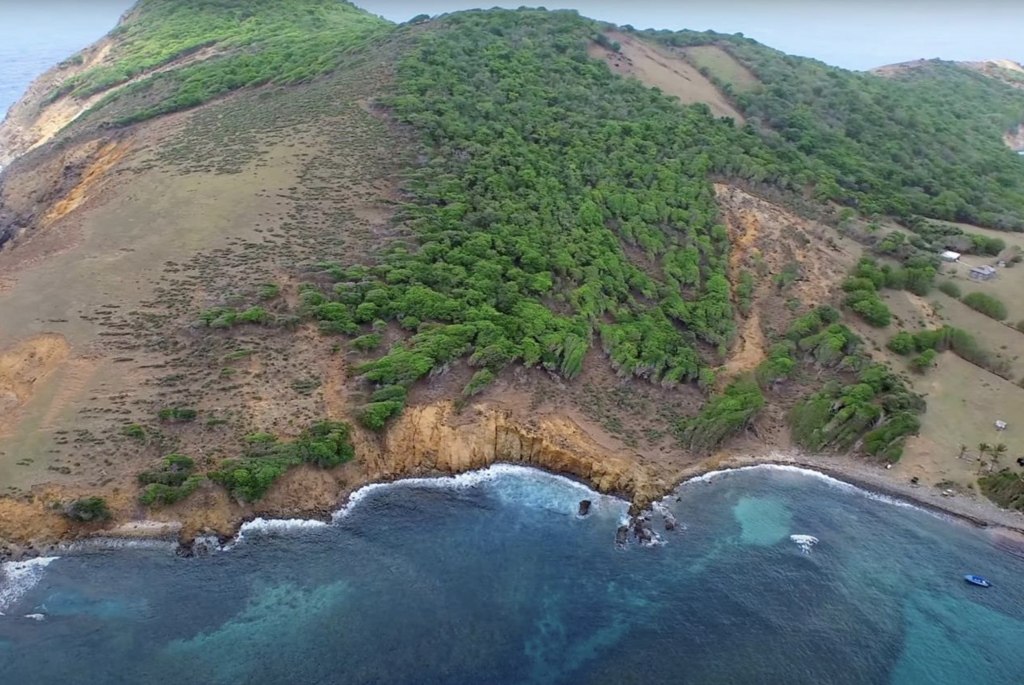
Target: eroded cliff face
<point>34,121</point>
<point>428,440</point>
<point>437,440</point>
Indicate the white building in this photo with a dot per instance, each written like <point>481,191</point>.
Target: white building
<point>950,256</point>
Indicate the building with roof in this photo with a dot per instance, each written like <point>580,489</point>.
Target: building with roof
<point>982,273</point>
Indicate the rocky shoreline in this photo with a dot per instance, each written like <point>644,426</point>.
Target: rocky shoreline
<point>857,473</point>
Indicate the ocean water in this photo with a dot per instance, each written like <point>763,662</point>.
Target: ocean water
<point>34,36</point>
<point>492,578</point>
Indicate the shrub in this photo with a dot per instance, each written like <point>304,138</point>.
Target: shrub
<point>218,317</point>
<point>249,479</point>
<point>366,312</point>
<point>951,289</point>
<point>1020,325</point>
<point>306,386</point>
<point>376,414</point>
<point>389,393</point>
<point>827,314</point>
<point>866,304</point>
<point>721,416</point>
<point>156,494</point>
<point>1005,488</point>
<point>924,361</point>
<point>480,380</point>
<point>984,245</point>
<point>888,439</point>
<point>778,365</point>
<point>268,291</point>
<point>255,315</point>
<point>901,343</point>
<point>134,431</point>
<point>986,304</point>
<point>744,290</point>
<point>179,414</point>
<point>326,444</point>
<point>87,509</point>
<point>172,482</point>
<point>836,416</point>
<point>365,343</point>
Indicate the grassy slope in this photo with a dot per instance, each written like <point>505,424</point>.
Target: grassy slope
<point>255,42</point>
<point>928,141</point>
<point>546,213</point>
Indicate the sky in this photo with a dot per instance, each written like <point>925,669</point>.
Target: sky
<point>856,34</point>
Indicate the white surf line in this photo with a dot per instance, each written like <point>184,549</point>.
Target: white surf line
<point>828,480</point>
<point>103,543</point>
<point>471,479</point>
<point>18,577</point>
<point>459,481</point>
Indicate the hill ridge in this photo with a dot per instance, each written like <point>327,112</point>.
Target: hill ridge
<point>436,228</point>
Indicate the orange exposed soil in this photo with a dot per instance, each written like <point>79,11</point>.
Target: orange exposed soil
<point>768,240</point>
<point>750,350</point>
<point>24,369</point>
<point>102,162</point>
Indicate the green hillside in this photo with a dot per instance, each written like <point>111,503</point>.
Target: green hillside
<point>539,208</point>
<point>254,42</point>
<point>928,141</point>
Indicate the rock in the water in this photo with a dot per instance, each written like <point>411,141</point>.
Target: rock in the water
<point>584,507</point>
<point>666,516</point>
<point>621,534</point>
<point>642,530</point>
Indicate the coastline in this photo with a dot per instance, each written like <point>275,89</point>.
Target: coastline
<point>865,476</point>
<point>977,512</point>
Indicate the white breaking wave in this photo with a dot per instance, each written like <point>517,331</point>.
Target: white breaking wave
<point>262,525</point>
<point>804,542</point>
<point>18,577</point>
<point>99,544</point>
<point>828,480</point>
<point>470,479</point>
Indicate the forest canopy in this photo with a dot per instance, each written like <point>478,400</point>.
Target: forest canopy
<point>927,141</point>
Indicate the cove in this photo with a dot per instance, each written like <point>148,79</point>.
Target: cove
<point>492,577</point>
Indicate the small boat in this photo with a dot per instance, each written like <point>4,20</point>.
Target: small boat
<point>977,580</point>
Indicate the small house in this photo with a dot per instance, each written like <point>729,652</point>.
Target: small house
<point>950,256</point>
<point>982,273</point>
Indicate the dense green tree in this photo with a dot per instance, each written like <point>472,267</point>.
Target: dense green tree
<point>989,305</point>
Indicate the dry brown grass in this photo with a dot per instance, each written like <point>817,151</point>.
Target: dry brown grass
<point>658,69</point>
<point>963,404</point>
<point>721,65</point>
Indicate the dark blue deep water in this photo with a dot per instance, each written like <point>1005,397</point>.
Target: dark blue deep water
<point>492,578</point>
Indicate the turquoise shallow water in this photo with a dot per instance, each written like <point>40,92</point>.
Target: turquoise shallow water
<point>492,578</point>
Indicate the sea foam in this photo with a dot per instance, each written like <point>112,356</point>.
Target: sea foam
<point>103,544</point>
<point>18,577</point>
<point>804,542</point>
<point>262,525</point>
<point>828,480</point>
<point>525,485</point>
